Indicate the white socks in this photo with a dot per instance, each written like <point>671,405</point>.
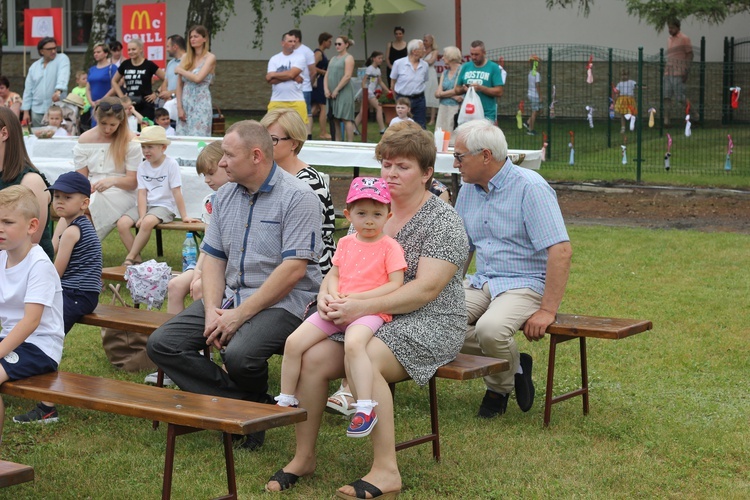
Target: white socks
<point>365,405</point>
<point>286,400</point>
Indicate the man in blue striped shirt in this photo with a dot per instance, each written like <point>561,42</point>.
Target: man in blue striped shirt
<point>260,272</point>
<point>516,230</point>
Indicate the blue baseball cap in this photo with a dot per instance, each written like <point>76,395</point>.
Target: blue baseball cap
<point>72,182</point>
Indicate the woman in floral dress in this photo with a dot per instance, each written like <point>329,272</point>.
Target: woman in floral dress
<point>195,72</point>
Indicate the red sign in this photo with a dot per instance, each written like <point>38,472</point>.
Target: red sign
<point>40,23</point>
<point>148,22</point>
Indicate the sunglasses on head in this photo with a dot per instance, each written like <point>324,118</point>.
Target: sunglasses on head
<point>106,106</point>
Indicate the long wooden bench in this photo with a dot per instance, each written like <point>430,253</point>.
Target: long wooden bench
<point>184,412</point>
<point>571,326</point>
<point>12,473</point>
<point>197,228</point>
<point>464,367</point>
<point>126,318</point>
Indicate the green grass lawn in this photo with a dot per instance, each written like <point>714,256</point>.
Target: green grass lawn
<point>669,408</point>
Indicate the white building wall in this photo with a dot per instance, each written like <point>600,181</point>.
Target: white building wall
<point>498,23</point>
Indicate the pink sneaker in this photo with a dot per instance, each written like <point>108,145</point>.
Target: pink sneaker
<point>361,424</point>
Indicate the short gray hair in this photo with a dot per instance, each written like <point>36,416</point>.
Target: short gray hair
<point>413,45</point>
<point>483,134</point>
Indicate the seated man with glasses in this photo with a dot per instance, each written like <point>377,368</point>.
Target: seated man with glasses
<point>46,82</point>
<point>516,229</point>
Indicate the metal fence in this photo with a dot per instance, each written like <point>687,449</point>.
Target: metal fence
<point>580,130</point>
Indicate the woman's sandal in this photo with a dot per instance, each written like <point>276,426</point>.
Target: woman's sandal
<point>285,479</point>
<point>128,263</point>
<point>362,487</point>
<point>339,404</point>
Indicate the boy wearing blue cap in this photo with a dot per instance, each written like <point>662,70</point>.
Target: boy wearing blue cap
<point>78,262</point>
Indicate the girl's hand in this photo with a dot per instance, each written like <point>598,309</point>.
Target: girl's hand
<point>138,223</point>
<point>334,94</point>
<point>190,220</point>
<point>181,114</point>
<point>328,94</point>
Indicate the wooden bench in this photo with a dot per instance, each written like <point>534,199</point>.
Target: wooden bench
<point>571,326</point>
<point>13,473</point>
<point>197,228</point>
<point>464,367</point>
<point>126,318</point>
<point>184,412</point>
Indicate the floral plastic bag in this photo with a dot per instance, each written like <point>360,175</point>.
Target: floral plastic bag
<point>147,282</point>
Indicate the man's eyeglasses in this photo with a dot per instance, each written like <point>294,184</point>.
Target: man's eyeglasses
<point>116,107</point>
<point>54,48</point>
<point>276,140</point>
<point>459,157</point>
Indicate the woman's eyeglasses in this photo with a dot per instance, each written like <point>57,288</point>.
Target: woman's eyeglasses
<point>337,44</point>
<point>276,140</point>
<point>106,106</point>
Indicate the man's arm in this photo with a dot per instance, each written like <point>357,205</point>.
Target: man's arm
<point>558,270</point>
<point>275,77</point>
<point>279,283</point>
<point>63,73</point>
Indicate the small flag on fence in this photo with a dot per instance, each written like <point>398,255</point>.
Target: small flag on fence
<point>590,70</point>
<point>668,153</point>
<point>571,145</point>
<point>730,147</point>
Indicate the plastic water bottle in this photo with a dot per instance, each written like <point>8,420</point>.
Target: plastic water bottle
<point>189,253</point>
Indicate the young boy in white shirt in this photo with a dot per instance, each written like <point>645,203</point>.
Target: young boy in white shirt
<point>159,194</point>
<point>31,303</point>
<point>161,118</point>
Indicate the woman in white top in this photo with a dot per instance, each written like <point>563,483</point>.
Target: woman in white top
<point>108,157</point>
<point>430,57</point>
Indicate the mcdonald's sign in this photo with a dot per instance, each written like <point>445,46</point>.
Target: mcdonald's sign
<point>147,22</point>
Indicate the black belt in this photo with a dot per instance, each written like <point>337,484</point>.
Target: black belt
<point>415,96</point>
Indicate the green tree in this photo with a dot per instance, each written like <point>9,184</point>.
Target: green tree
<point>213,14</point>
<point>102,19</point>
<point>658,12</point>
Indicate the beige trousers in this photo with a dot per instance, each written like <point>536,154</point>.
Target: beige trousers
<point>492,325</point>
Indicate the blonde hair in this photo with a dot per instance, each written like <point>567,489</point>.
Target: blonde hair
<point>452,54</point>
<point>20,199</point>
<point>289,120</point>
<point>208,159</point>
<point>407,140</point>
<point>55,109</point>
<point>118,149</point>
<point>188,60</point>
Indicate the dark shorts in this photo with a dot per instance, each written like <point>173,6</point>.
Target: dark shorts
<point>77,303</point>
<point>25,361</point>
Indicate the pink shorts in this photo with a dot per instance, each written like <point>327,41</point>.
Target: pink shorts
<point>329,328</point>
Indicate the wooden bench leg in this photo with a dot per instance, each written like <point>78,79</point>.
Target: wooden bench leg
<point>434,435</point>
<point>549,398</point>
<point>159,246</point>
<point>178,430</point>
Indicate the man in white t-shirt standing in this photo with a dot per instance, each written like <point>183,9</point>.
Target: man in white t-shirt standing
<point>285,76</point>
<point>308,74</point>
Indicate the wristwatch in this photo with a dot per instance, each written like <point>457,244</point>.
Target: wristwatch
<point>173,96</point>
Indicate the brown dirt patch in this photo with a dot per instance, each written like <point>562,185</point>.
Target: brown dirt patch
<point>709,210</point>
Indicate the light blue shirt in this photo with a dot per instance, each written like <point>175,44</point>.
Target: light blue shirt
<point>171,75</point>
<point>255,232</point>
<point>510,228</point>
<point>408,80</point>
<point>42,81</point>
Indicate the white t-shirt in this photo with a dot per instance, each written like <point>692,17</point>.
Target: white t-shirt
<point>396,120</point>
<point>61,132</point>
<point>289,90</point>
<point>309,57</point>
<point>626,88</point>
<point>34,280</point>
<point>170,131</point>
<point>133,123</point>
<point>159,182</point>
<point>533,80</point>
<point>372,74</point>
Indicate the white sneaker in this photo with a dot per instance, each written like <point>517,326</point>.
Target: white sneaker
<point>152,378</point>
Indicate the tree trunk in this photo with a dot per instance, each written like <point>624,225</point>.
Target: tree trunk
<point>201,12</point>
<point>102,22</point>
